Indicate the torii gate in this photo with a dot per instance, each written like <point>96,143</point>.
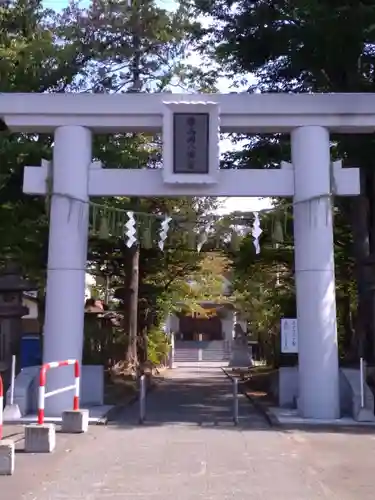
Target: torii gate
<point>190,125</point>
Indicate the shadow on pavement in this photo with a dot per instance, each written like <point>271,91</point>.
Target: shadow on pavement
<point>204,402</point>
<point>208,402</point>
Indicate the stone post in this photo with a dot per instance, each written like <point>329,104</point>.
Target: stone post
<point>67,253</point>
<point>315,274</point>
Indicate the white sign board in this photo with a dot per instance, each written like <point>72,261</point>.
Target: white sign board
<point>289,335</point>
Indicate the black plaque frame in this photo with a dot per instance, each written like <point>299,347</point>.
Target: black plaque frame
<point>176,170</point>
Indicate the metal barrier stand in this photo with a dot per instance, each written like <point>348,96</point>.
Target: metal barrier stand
<point>235,400</point>
<point>42,395</point>
<point>41,437</point>
<point>12,379</point>
<point>362,380</point>
<point>142,399</point>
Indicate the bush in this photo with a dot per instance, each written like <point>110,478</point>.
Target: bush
<point>158,346</point>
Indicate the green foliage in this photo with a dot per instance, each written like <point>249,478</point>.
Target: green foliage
<point>204,283</point>
<point>308,46</point>
<point>263,284</point>
<point>104,48</point>
<point>294,46</point>
<point>30,61</point>
<point>104,340</point>
<point>158,346</point>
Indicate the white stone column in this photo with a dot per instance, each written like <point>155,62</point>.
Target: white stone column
<point>315,275</point>
<point>67,254</point>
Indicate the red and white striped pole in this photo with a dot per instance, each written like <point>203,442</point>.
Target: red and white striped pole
<point>42,395</point>
<point>76,389</point>
<point>1,407</point>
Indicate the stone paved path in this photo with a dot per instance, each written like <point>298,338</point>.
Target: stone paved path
<point>189,450</point>
<point>195,396</point>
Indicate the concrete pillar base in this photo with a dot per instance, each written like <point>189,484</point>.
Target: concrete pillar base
<point>40,438</point>
<point>7,457</point>
<point>12,412</point>
<point>75,421</point>
<point>365,415</point>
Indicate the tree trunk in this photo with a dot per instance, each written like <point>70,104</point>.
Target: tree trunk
<point>132,354</point>
<point>145,345</point>
<point>361,251</point>
<point>371,265</point>
<point>349,344</point>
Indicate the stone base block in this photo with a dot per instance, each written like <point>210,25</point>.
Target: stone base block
<point>40,438</point>
<point>7,457</point>
<point>75,421</point>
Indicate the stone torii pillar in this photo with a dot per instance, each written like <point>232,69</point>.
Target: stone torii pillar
<point>67,254</point>
<point>315,271</point>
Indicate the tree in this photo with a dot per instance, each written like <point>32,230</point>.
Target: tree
<point>307,46</point>
<point>146,56</point>
<point>93,50</point>
<point>31,61</point>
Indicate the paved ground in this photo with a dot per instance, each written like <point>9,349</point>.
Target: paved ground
<point>189,450</point>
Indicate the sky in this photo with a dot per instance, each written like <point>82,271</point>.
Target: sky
<point>228,204</point>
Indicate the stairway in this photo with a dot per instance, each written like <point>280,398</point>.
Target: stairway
<point>194,351</point>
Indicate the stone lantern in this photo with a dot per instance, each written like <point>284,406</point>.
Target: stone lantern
<point>12,287</point>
